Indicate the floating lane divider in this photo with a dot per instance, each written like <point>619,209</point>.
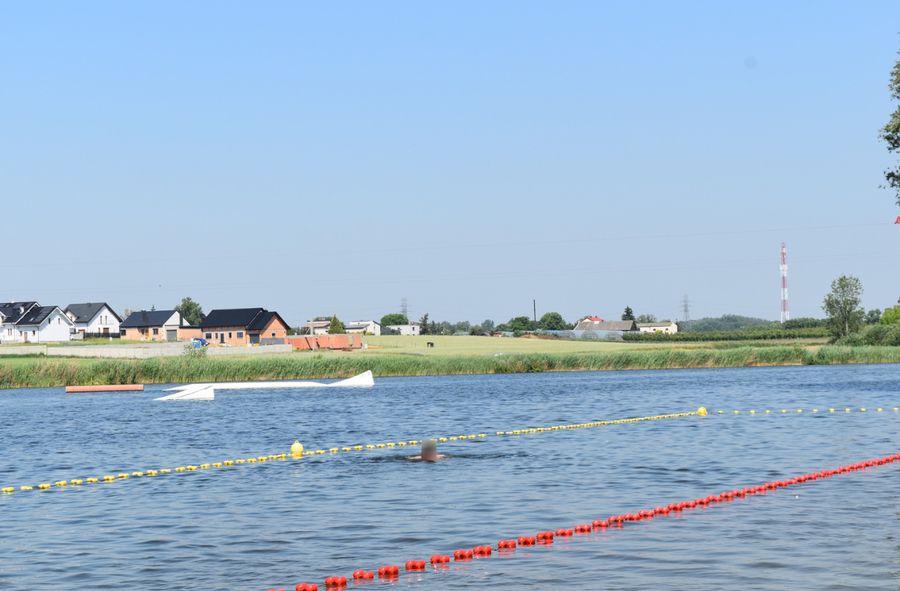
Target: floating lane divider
<point>438,562</point>
<point>297,452</point>
<point>797,411</point>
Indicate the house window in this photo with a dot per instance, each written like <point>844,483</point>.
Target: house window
<point>155,331</point>
<point>229,335</point>
<point>273,335</point>
<point>123,332</point>
<point>208,336</point>
<point>240,335</point>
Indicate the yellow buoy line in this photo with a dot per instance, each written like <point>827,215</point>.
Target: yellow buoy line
<point>796,411</point>
<point>297,451</point>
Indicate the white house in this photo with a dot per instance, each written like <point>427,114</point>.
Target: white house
<point>363,327</point>
<point>407,330</point>
<point>29,322</point>
<point>317,327</point>
<point>95,319</point>
<point>667,327</point>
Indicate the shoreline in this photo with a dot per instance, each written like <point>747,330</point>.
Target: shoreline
<point>41,372</point>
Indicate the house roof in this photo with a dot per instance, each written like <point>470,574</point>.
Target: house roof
<point>654,324</point>
<point>606,325</point>
<point>86,312</point>
<point>13,311</point>
<point>263,320</point>
<point>249,318</point>
<point>145,318</point>
<point>38,314</point>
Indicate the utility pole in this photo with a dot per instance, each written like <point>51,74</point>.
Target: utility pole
<point>534,309</point>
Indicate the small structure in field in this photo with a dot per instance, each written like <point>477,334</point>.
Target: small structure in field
<point>667,327</point>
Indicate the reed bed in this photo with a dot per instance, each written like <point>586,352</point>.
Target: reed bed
<point>47,372</point>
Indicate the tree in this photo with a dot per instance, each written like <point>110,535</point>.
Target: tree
<point>645,319</point>
<point>891,316</point>
<point>190,311</point>
<point>520,324</point>
<point>423,324</point>
<point>394,319</point>
<point>841,305</point>
<point>552,321</point>
<point>336,326</point>
<point>628,314</point>
<point>890,133</point>
<point>488,325</point>
<point>873,316</point>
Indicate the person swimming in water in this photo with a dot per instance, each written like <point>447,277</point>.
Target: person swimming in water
<point>429,452</point>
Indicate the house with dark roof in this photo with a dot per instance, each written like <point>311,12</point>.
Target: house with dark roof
<point>94,319</point>
<point>243,326</point>
<point>155,325</point>
<point>29,322</point>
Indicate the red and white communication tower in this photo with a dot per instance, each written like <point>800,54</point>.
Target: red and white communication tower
<point>785,308</point>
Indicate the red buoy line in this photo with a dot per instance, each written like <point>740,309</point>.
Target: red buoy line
<point>439,561</point>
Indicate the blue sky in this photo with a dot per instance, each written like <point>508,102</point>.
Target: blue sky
<point>468,156</point>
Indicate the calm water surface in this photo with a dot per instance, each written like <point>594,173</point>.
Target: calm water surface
<point>272,525</point>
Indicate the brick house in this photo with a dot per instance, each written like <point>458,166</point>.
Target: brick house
<point>243,326</point>
<point>154,325</point>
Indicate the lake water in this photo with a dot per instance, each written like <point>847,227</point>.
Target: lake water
<point>269,525</point>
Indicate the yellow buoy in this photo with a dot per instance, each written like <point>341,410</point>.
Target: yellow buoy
<point>702,411</point>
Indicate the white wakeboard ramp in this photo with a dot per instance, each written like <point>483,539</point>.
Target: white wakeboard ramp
<point>208,391</point>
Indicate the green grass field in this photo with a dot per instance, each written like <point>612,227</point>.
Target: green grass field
<point>406,356</point>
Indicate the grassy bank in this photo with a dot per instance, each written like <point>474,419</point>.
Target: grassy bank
<point>48,372</point>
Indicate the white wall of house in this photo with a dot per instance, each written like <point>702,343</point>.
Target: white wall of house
<point>54,329</point>
<point>666,327</point>
<point>363,327</point>
<point>103,321</point>
<point>407,330</point>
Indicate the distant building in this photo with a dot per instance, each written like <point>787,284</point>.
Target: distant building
<point>369,327</point>
<point>243,326</point>
<point>595,323</point>
<point>317,327</point>
<point>664,327</point>
<point>153,325</point>
<point>94,319</point>
<point>407,330</point>
<point>29,322</point>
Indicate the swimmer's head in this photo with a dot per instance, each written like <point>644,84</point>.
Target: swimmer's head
<point>429,450</point>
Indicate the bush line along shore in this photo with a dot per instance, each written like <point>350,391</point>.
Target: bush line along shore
<point>44,373</point>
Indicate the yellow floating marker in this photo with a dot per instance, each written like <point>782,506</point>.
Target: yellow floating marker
<point>44,486</point>
<point>152,472</point>
<point>137,474</point>
<point>215,465</point>
<point>76,482</point>
<point>334,450</point>
<point>165,471</point>
<point>92,480</point>
<point>61,483</point>
<point>26,487</point>
<point>123,476</point>
<point>205,466</point>
<point>109,478</point>
<point>8,490</point>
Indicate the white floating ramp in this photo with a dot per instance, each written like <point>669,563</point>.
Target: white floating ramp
<point>208,391</point>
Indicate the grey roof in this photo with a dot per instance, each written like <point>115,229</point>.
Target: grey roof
<point>13,311</point>
<point>146,318</point>
<point>86,312</point>
<point>606,325</point>
<point>36,315</point>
